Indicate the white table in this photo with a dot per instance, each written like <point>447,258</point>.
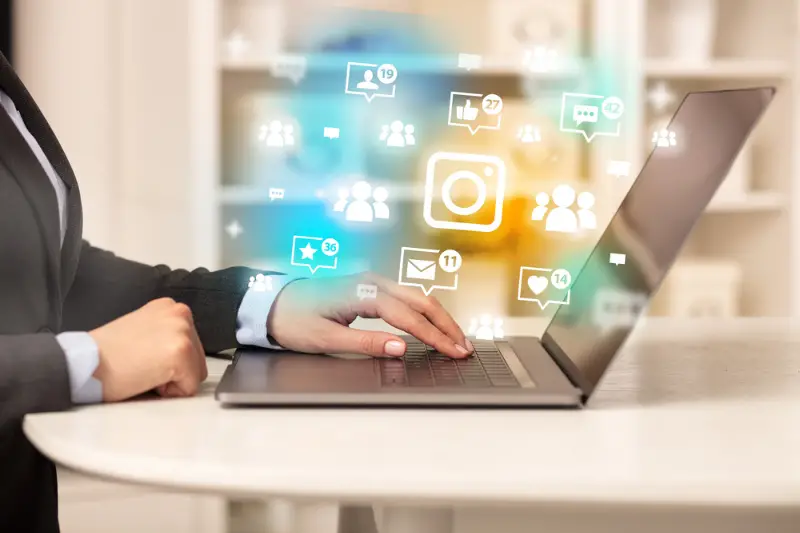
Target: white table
<point>708,422</point>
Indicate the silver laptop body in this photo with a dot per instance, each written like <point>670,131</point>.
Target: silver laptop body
<point>563,368</point>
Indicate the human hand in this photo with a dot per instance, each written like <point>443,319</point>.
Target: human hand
<point>154,347</point>
<point>314,315</point>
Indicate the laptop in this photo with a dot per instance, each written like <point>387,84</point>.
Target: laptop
<point>564,367</point>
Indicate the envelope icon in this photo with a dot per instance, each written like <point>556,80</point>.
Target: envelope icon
<point>421,269</point>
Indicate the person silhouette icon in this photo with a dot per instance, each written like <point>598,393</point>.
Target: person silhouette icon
<point>340,204</point>
<point>561,218</point>
<point>528,134</point>
<point>380,195</point>
<point>586,217</point>
<point>359,209</point>
<point>542,199</point>
<point>411,140</point>
<point>395,138</point>
<point>368,84</point>
<point>484,331</point>
<point>275,137</point>
<point>288,135</point>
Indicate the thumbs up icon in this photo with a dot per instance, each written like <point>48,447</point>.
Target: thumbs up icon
<point>467,112</point>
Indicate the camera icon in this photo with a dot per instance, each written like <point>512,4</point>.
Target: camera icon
<point>464,192</point>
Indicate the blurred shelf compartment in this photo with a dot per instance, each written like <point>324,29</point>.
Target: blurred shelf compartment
<point>753,202</point>
<point>741,69</point>
<point>497,66</point>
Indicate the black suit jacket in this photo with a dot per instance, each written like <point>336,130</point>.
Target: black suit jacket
<point>46,288</point>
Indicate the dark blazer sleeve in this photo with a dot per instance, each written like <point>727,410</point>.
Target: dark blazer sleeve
<point>33,376</point>
<point>107,287</point>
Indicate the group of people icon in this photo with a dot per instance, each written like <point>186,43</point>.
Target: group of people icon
<point>398,135</point>
<point>277,134</point>
<point>358,208</point>
<point>562,218</point>
<point>665,138</point>
<point>487,328</point>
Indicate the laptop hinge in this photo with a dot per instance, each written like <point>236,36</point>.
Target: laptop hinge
<point>566,365</point>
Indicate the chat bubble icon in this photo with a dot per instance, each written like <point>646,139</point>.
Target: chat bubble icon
<point>330,133</point>
<point>371,80</point>
<point>429,269</point>
<point>475,111</point>
<point>618,168</point>
<point>315,253</point>
<point>584,113</point>
<point>580,113</point>
<point>276,194</point>
<point>366,292</point>
<point>469,61</point>
<point>544,286</point>
<point>291,67</point>
<point>617,259</point>
<point>617,309</point>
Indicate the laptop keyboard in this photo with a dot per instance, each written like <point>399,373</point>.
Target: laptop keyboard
<point>423,366</point>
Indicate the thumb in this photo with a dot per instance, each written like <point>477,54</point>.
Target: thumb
<point>468,104</point>
<point>341,339</point>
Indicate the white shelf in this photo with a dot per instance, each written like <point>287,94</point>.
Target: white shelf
<point>496,66</point>
<point>754,202</point>
<point>744,69</point>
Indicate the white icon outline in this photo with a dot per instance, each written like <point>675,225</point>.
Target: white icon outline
<point>313,269</point>
<point>470,62</point>
<point>427,290</point>
<point>369,96</point>
<point>617,259</point>
<point>475,129</point>
<point>289,66</point>
<point>589,138</point>
<point>430,177</point>
<point>538,301</point>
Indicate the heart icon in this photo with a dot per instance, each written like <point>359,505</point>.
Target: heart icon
<point>537,284</point>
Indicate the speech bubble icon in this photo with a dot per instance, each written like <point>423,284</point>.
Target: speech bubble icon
<point>330,133</point>
<point>276,194</point>
<point>291,67</point>
<point>619,168</point>
<point>371,80</point>
<point>584,113</point>
<point>539,285</point>
<point>315,253</point>
<point>429,269</point>
<point>469,61</point>
<point>366,292</point>
<point>614,308</point>
<point>617,259</point>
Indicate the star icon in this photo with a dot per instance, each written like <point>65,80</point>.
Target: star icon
<point>234,229</point>
<point>308,252</point>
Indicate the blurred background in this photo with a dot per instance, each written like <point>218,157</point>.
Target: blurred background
<point>162,107</point>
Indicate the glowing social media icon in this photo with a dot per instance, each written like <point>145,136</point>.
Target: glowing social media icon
<point>615,308</point>
<point>544,286</point>
<point>330,133</point>
<point>291,67</point>
<point>469,61</point>
<point>475,111</point>
<point>591,115</point>
<point>276,194</point>
<point>619,168</point>
<point>617,259</point>
<point>315,253</point>
<point>429,269</point>
<point>484,176</point>
<point>366,292</point>
<point>371,80</point>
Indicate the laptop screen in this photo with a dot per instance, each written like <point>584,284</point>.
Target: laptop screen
<point>690,160</point>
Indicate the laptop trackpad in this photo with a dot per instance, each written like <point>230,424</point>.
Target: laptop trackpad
<point>259,371</point>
